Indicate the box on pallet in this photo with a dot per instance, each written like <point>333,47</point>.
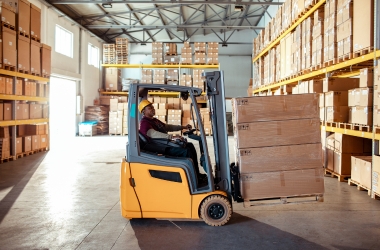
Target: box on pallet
<point>361,170</point>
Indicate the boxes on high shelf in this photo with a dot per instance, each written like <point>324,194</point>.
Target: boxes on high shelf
<point>8,85</point>
<point>363,21</point>
<point>361,170</point>
<point>9,49</point>
<point>112,79</point>
<point>8,14</point>
<point>200,47</point>
<point>45,59</point>
<point>361,115</point>
<point>200,58</point>
<point>336,98</point>
<point>7,111</point>
<point>23,54</point>
<point>35,21</point>
<point>35,57</point>
<point>159,76</point>
<point>366,77</point>
<point>339,84</point>
<point>171,48</point>
<point>24,16</point>
<point>35,111</point>
<point>337,114</point>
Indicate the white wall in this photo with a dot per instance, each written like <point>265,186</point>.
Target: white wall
<point>76,68</point>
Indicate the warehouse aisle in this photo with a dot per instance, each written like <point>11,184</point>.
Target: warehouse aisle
<point>68,198</point>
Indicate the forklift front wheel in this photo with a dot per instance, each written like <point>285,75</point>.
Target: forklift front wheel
<point>215,210</point>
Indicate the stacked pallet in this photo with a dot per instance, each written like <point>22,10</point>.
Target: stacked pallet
<point>159,76</point>
<point>197,79</point>
<point>171,56</point>
<point>283,163</point>
<point>4,142</point>
<point>172,77</point>
<point>122,50</point>
<point>186,54</point>
<point>99,114</point>
<point>376,73</point>
<point>109,53</point>
<point>157,53</point>
<point>200,53</point>
<point>146,76</point>
<point>116,117</point>
<point>212,53</point>
<point>318,37</point>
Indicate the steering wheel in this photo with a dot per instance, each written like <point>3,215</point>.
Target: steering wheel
<point>190,132</point>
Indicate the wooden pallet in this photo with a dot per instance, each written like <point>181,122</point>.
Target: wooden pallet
<point>113,134</point>
<point>359,186</point>
<point>22,33</point>
<point>212,63</point>
<point>185,63</point>
<point>7,159</point>
<point>23,71</point>
<point>285,200</point>
<point>329,63</point>
<point>345,57</point>
<point>363,52</point>
<point>45,76</point>
<point>35,74</point>
<point>34,38</point>
<point>170,63</point>
<point>7,25</point>
<point>157,64</point>
<point>10,67</point>
<point>375,196</point>
<point>341,178</point>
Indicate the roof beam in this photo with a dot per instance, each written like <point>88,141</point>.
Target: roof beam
<point>162,21</point>
<point>180,2</point>
<point>141,22</point>
<point>112,26</point>
<point>204,19</point>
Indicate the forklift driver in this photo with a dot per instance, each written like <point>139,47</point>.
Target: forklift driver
<point>153,128</point>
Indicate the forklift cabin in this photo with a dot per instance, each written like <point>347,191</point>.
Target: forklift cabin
<point>154,185</point>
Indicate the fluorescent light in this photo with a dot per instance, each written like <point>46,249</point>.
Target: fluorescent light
<point>107,5</point>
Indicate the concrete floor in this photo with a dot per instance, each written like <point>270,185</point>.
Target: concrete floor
<point>68,198</point>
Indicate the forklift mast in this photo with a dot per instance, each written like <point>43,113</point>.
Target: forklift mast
<point>216,96</point>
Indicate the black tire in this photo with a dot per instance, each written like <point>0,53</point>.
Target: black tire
<point>215,210</point>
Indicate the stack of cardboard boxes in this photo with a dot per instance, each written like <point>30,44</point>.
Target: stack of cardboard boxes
<point>361,171</point>
<point>296,50</point>
<point>330,46</point>
<point>146,76</point>
<point>344,27</point>
<point>306,42</point>
<point>116,117</point>
<point>173,103</point>
<point>159,76</point>
<point>361,99</point>
<point>341,147</point>
<point>197,79</point>
<point>186,54</point>
<point>9,50</point>
<point>186,80</point>
<point>4,142</point>
<point>32,137</point>
<point>175,118</point>
<point>213,53</point>
<point>376,93</point>
<point>122,50</point>
<point>157,53</point>
<point>318,37</point>
<point>171,56</point>
<point>205,116</point>
<point>284,163</point>
<point>186,114</point>
<point>200,53</point>
<point>363,24</point>
<point>172,77</point>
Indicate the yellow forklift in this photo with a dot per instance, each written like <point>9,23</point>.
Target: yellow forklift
<point>154,185</point>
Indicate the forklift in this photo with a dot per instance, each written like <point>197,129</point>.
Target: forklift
<point>153,185</point>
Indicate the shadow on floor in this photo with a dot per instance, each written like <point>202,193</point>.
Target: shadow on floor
<point>16,176</point>
<point>240,233</point>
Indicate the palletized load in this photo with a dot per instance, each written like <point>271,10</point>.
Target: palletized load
<point>278,146</point>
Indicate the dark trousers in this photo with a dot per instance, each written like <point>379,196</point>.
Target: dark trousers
<point>188,152</point>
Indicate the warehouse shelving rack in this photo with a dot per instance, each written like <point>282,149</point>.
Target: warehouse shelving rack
<point>13,123</point>
<point>342,69</point>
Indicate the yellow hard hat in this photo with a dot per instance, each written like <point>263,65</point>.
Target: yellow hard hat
<point>143,104</point>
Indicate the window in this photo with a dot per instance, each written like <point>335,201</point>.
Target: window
<point>63,41</point>
<point>93,55</point>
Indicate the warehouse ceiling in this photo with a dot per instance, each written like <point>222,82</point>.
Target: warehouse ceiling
<point>145,21</point>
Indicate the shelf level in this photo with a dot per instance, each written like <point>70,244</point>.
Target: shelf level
<point>290,29</point>
<point>21,75</point>
<point>162,66</point>
<point>23,98</point>
<point>113,93</point>
<point>160,93</point>
<point>348,63</point>
<point>23,122</point>
<point>368,135</point>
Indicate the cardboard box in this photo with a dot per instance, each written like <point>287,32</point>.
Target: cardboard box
<point>8,14</point>
<point>18,145</point>
<point>353,97</point>
<point>1,111</point>
<point>366,97</point>
<point>340,84</point>
<point>23,55</point>
<point>8,86</point>
<point>19,111</point>
<point>24,16</point>
<point>363,16</point>
<point>361,115</point>
<point>280,158</point>
<point>112,78</point>
<point>366,78</point>
<point>9,47</point>
<point>337,114</point>
<point>35,111</point>
<point>7,111</point>
<point>287,132</point>
<point>282,183</point>
<point>26,111</point>
<point>350,144</point>
<point>315,86</point>
<point>44,141</point>
<point>267,108</point>
<point>18,87</point>
<point>26,144</point>
<point>36,142</point>
<point>45,60</point>
<point>35,21</point>
<point>4,132</point>
<point>35,57</point>
<point>336,98</point>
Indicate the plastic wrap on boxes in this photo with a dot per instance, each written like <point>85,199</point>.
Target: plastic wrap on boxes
<point>126,82</point>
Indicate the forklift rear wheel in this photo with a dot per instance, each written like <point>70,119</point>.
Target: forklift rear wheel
<point>216,210</point>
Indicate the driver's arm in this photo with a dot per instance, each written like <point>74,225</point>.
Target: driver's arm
<point>170,127</point>
<point>158,135</point>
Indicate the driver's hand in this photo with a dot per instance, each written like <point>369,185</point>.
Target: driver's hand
<point>188,126</point>
<point>178,137</point>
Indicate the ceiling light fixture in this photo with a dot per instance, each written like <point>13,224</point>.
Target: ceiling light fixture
<point>239,7</point>
<point>107,5</point>
<point>143,44</point>
<point>224,45</point>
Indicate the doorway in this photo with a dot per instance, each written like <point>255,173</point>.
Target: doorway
<point>62,112</point>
